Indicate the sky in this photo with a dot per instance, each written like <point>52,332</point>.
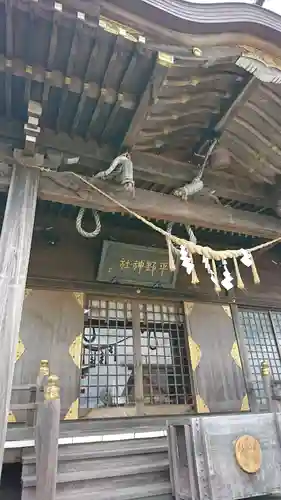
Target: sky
<point>273,5</point>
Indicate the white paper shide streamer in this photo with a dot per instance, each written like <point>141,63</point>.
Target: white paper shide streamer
<point>228,279</point>
<point>186,260</point>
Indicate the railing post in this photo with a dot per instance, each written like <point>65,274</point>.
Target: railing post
<point>46,441</point>
<point>42,379</point>
<point>267,385</point>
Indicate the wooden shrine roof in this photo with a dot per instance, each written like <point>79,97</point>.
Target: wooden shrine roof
<point>160,78</point>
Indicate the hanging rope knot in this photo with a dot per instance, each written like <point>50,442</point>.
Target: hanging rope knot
<point>197,184</point>
<point>122,165</point>
<point>79,228</point>
<point>189,189</point>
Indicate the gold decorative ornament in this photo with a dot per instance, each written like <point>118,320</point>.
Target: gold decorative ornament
<point>196,52</point>
<point>119,29</point>
<point>245,404</point>
<point>52,390</point>
<point>20,349</point>
<point>248,454</point>
<point>11,418</point>
<point>265,369</point>
<point>188,307</point>
<point>75,350</point>
<point>227,311</point>
<point>201,405</point>
<point>27,292</point>
<point>72,413</point>
<point>195,353</point>
<point>165,59</point>
<point>79,296</point>
<point>235,354</point>
<point>44,367</point>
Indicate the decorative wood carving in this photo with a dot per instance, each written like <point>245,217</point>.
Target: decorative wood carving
<point>262,65</point>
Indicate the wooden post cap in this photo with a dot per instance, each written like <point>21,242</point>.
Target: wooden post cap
<point>248,454</point>
<point>52,390</point>
<point>264,368</point>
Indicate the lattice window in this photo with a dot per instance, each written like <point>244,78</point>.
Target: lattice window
<point>262,331</point>
<point>164,359</point>
<point>108,376</point>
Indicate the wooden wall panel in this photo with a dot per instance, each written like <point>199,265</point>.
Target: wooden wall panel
<point>51,328</point>
<point>218,379</point>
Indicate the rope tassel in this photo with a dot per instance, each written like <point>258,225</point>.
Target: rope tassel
<point>172,265</point>
<point>256,277</point>
<point>240,283</point>
<point>194,278</point>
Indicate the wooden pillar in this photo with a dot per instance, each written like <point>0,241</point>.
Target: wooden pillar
<point>15,243</point>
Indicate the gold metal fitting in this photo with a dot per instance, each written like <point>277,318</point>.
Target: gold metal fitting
<point>44,367</point>
<point>196,52</point>
<point>52,390</point>
<point>264,368</point>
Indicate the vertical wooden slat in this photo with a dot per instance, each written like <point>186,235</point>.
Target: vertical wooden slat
<point>138,370</point>
<point>244,359</point>
<point>15,243</point>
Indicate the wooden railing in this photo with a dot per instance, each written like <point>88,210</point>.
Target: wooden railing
<point>43,412</point>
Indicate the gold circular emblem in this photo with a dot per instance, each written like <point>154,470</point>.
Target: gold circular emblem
<point>248,454</point>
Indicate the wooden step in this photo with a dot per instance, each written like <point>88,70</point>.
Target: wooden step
<point>104,449</point>
<point>86,475</point>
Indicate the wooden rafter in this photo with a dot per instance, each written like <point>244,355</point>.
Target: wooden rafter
<point>219,123</point>
<point>118,104</point>
<point>161,67</point>
<point>51,53</point>
<point>78,27</point>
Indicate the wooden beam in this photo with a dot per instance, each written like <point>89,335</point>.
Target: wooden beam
<point>64,188</point>
<point>151,168</point>
<point>15,244</point>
